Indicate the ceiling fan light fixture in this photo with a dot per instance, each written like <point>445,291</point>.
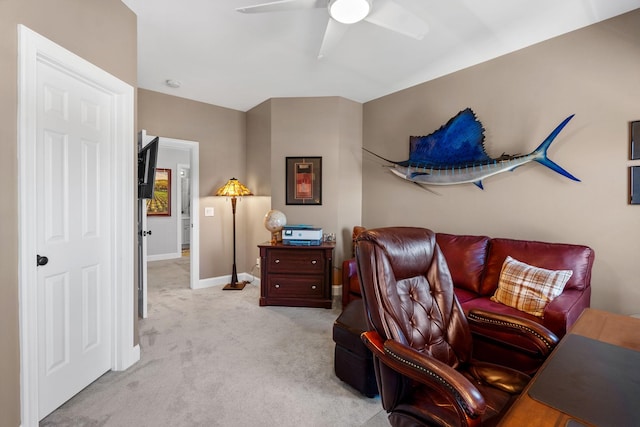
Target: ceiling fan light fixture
<point>349,11</point>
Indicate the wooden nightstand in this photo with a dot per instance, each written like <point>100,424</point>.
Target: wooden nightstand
<point>298,276</point>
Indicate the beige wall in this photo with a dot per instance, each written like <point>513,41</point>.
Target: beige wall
<point>102,32</point>
<point>252,146</point>
<point>258,180</point>
<point>349,177</point>
<point>220,133</point>
<point>259,149</point>
<point>520,98</point>
<point>330,127</point>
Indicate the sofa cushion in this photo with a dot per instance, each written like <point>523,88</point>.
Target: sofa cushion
<point>465,256</point>
<point>552,256</point>
<point>529,288</point>
<point>464,295</point>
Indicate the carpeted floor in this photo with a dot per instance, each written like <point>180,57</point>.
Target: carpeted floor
<point>215,358</point>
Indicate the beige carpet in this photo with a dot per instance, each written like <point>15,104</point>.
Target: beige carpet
<point>215,358</point>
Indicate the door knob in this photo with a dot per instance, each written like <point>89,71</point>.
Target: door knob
<point>42,260</point>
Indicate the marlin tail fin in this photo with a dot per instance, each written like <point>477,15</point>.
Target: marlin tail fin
<point>541,151</point>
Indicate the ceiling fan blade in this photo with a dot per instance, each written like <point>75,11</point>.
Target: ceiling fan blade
<point>332,36</point>
<point>392,16</point>
<point>282,5</point>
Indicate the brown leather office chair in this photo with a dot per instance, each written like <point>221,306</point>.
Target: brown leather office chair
<point>420,337</point>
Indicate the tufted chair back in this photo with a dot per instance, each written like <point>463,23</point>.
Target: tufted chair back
<point>408,292</point>
<point>407,285</point>
<point>420,337</point>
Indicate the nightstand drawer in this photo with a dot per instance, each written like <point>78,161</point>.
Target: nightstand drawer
<point>286,261</point>
<point>296,286</point>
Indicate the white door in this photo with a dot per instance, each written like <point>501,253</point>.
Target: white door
<point>73,196</point>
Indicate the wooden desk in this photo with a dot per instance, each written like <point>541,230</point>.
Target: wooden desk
<point>623,331</point>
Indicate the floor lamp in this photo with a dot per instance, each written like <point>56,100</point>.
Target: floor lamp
<point>234,189</point>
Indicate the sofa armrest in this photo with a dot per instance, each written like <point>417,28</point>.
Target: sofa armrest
<point>421,368</point>
<point>561,313</point>
<point>542,338</point>
<point>349,271</point>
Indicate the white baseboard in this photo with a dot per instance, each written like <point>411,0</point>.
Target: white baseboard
<point>336,290</point>
<point>162,257</point>
<point>130,358</point>
<point>223,280</point>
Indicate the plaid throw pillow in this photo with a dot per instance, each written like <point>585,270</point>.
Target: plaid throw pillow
<point>528,288</point>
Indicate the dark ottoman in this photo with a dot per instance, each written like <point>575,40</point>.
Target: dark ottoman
<point>353,360</point>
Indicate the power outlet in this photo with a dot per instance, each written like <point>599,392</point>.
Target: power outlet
<point>258,261</point>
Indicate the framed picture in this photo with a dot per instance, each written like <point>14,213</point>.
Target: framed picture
<point>304,181</point>
<point>160,204</point>
<point>635,140</point>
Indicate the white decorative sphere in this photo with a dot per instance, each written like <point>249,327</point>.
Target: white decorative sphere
<point>274,221</point>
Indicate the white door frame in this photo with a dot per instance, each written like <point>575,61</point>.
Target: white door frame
<point>33,49</point>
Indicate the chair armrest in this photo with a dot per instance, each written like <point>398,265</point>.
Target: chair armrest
<point>426,370</point>
<point>542,338</point>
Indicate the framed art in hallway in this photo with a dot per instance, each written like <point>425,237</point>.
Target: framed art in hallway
<point>304,181</point>
<point>160,204</point>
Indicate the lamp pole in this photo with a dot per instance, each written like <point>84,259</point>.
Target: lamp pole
<point>234,273</point>
<point>234,189</point>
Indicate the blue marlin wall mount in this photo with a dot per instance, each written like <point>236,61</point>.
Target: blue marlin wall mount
<point>455,154</point>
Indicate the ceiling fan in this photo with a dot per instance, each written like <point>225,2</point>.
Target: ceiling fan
<point>343,13</point>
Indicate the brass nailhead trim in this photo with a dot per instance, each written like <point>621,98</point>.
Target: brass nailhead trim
<point>441,380</point>
<point>513,325</point>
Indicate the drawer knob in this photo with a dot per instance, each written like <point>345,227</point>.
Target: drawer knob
<point>277,261</point>
<point>314,262</point>
<point>313,287</point>
<point>277,285</point>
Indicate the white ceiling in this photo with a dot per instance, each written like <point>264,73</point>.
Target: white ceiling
<point>237,60</point>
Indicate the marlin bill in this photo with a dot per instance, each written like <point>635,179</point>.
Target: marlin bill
<point>455,154</point>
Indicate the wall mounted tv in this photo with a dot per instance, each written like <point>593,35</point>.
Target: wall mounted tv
<point>147,158</point>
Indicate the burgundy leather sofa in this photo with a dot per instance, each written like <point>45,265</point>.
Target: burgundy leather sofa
<point>475,263</point>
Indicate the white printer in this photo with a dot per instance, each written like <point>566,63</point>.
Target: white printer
<point>301,235</point>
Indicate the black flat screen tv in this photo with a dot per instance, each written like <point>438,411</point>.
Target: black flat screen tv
<point>147,158</point>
